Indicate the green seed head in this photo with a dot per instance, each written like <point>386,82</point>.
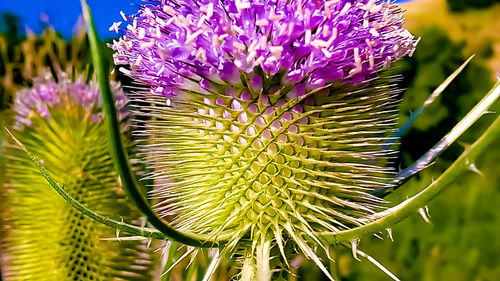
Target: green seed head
<point>266,122</point>
<point>279,163</point>
<point>47,239</point>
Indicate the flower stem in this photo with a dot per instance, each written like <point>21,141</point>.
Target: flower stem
<point>121,226</point>
<point>119,154</point>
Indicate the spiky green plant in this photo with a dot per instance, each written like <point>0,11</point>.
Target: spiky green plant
<point>205,95</point>
<point>265,125</point>
<point>46,238</point>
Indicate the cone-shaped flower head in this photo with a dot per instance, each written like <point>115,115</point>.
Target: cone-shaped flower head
<point>267,117</point>
<point>75,99</point>
<point>46,238</point>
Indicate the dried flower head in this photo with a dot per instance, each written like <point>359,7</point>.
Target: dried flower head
<point>267,117</point>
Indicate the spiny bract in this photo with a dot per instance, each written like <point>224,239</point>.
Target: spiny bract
<point>266,119</point>
<point>46,238</point>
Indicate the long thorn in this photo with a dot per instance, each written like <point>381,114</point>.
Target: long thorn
<point>379,265</point>
<point>449,138</point>
<point>430,100</point>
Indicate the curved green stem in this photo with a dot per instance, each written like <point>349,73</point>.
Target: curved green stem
<point>451,137</point>
<point>395,214</point>
<point>121,226</point>
<point>119,154</point>
<point>435,94</point>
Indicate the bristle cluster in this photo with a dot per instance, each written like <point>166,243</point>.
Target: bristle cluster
<point>246,157</point>
<point>265,120</point>
<point>46,238</point>
<point>278,165</point>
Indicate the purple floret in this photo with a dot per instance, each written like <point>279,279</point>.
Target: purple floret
<point>311,42</point>
<point>47,95</point>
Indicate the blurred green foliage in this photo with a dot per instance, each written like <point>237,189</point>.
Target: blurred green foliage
<point>460,5</point>
<point>9,39</point>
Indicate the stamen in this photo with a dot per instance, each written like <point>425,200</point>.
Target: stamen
<point>308,37</point>
<point>299,7</point>
<point>240,6</point>
<point>123,16</point>
<point>192,37</point>
<point>148,13</point>
<point>345,9</point>
<point>374,32</point>
<point>115,26</point>
<point>276,51</point>
<point>326,30</point>
<point>275,17</point>
<point>160,72</point>
<point>238,46</point>
<point>158,32</point>
<point>160,21</point>
<point>261,22</point>
<point>371,60</point>
<point>251,56</point>
<point>210,10</point>
<point>142,33</point>
<point>328,12</point>
<point>357,61</point>
<point>138,61</point>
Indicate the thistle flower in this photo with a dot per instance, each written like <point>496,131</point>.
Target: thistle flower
<point>46,238</point>
<point>266,117</point>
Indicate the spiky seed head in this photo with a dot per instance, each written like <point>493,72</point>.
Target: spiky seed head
<point>266,117</point>
<point>47,239</point>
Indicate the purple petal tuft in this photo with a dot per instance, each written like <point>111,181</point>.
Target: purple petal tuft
<point>316,42</point>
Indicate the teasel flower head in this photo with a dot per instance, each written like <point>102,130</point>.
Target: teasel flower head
<point>266,118</point>
<point>59,121</point>
<point>78,99</point>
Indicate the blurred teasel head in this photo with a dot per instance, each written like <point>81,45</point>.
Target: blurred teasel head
<point>45,238</point>
<point>75,99</point>
<point>266,120</point>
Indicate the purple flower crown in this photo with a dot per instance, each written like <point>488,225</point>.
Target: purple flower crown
<point>47,94</point>
<point>170,43</point>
